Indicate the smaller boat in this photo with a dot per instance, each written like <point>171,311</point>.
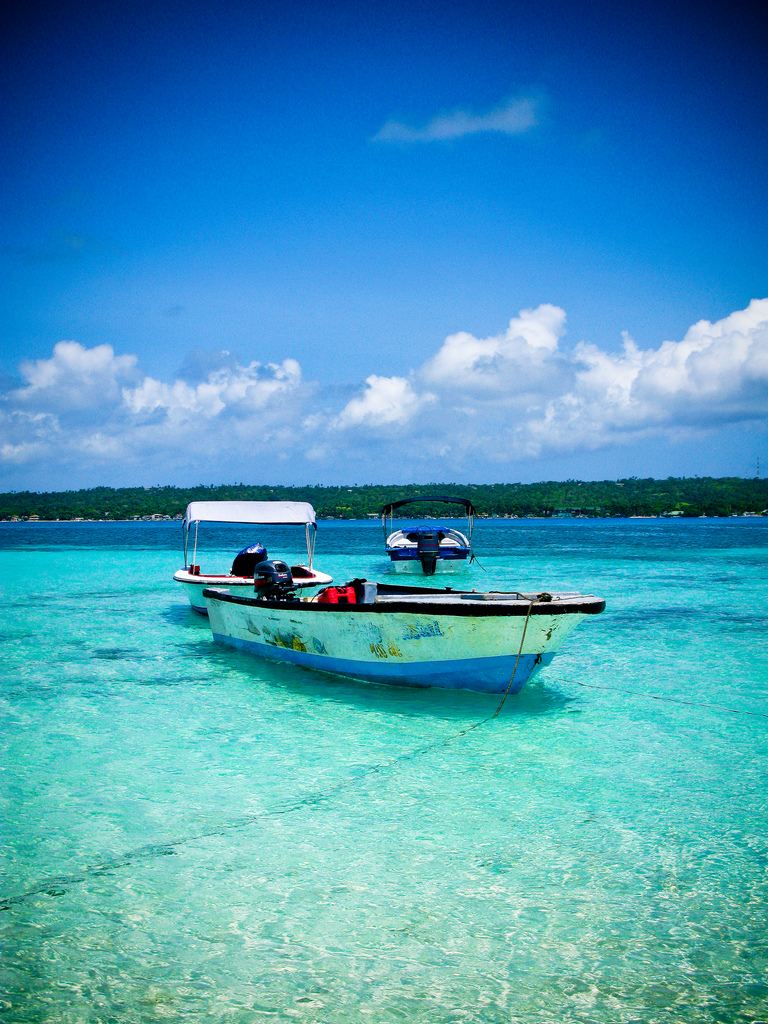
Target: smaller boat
<point>427,547</point>
<point>241,577</point>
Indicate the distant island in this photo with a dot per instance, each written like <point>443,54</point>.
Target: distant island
<point>685,496</point>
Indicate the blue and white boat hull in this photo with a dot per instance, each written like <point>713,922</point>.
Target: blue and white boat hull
<point>407,562</point>
<point>448,551</point>
<point>464,642</point>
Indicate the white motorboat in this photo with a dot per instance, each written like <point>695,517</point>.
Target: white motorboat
<point>240,578</point>
<point>427,547</point>
<point>416,636</point>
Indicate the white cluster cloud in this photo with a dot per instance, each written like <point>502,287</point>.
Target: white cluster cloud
<point>513,117</point>
<point>516,395</point>
<point>385,400</point>
<point>540,399</point>
<point>525,356</point>
<point>718,373</point>
<point>85,408</point>
<point>245,388</point>
<point>75,377</point>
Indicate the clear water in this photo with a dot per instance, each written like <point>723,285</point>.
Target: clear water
<point>192,834</point>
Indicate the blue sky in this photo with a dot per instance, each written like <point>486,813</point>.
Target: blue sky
<point>348,243</point>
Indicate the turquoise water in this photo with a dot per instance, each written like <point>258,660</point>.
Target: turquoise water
<point>190,833</point>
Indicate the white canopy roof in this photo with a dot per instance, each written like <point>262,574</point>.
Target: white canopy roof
<point>292,513</point>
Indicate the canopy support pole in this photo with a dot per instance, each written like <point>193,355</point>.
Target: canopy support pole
<point>310,542</point>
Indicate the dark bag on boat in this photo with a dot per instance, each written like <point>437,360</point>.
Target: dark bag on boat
<point>247,560</point>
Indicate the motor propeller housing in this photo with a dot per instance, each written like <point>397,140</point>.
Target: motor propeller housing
<point>273,579</point>
<point>427,548</point>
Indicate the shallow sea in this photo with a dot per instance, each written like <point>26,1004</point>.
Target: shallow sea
<point>189,833</point>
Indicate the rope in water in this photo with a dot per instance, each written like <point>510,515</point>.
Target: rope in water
<point>670,700</point>
<point>517,659</point>
<point>58,885</point>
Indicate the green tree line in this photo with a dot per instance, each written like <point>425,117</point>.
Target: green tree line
<point>691,496</point>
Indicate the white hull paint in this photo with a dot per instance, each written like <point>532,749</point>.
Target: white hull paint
<point>454,646</point>
<point>413,565</point>
<point>194,585</point>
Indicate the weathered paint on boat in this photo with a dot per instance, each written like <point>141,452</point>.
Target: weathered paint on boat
<point>456,644</point>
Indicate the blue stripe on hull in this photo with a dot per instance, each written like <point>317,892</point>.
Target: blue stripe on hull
<point>401,555</point>
<point>484,675</point>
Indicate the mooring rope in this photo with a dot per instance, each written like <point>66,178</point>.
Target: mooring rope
<point>670,700</point>
<point>57,885</point>
<point>474,558</point>
<point>517,659</point>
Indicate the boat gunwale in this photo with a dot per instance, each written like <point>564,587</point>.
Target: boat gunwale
<point>211,579</point>
<point>588,604</point>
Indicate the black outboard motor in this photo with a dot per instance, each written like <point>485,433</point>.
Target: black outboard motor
<point>273,580</point>
<point>427,548</point>
<point>247,559</point>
